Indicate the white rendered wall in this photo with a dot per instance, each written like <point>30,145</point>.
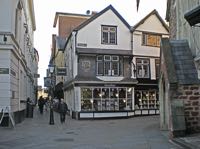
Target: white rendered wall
<point>4,79</point>
<point>151,25</point>
<point>91,33</point>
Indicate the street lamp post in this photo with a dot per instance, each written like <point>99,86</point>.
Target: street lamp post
<point>51,119</point>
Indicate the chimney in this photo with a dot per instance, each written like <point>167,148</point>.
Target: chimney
<point>94,12</point>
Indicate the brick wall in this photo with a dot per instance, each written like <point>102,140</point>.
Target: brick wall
<point>67,24</point>
<point>191,96</point>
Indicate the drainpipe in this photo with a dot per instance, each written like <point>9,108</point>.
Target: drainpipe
<point>74,71</point>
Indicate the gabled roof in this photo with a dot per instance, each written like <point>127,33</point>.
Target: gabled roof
<point>179,62</point>
<point>110,7</point>
<point>154,12</point>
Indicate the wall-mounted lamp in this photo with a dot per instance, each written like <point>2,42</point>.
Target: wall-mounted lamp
<point>51,68</point>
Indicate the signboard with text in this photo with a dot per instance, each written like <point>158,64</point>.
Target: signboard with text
<point>61,71</point>
<point>4,70</point>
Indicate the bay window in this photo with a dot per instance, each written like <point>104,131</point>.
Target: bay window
<point>108,65</point>
<point>143,68</point>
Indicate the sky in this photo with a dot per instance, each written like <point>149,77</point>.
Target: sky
<point>45,12</point>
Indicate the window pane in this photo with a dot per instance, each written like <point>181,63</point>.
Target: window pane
<point>121,67</point>
<point>99,58</point>
<point>145,72</point>
<point>157,63</point>
<point>139,71</point>
<point>97,99</point>
<point>115,58</point>
<point>112,38</point>
<point>86,99</point>
<point>115,68</point>
<point>86,93</point>
<point>113,29</point>
<point>151,39</point>
<point>97,93</point>
<point>105,99</point>
<point>114,93</point>
<point>107,58</point>
<point>105,37</point>
<point>104,28</point>
<point>107,68</point>
<point>99,68</point>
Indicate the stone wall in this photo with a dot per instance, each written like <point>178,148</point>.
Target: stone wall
<point>191,96</point>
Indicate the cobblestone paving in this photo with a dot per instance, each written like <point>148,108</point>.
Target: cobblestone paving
<point>134,133</point>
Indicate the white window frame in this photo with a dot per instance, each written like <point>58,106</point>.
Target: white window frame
<point>109,30</point>
<point>111,59</point>
<point>142,64</point>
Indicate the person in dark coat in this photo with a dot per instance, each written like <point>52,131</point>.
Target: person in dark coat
<point>41,103</point>
<point>63,110</point>
<point>28,102</point>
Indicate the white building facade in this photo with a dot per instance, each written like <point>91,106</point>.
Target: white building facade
<point>102,58</point>
<point>146,37</point>
<point>18,59</point>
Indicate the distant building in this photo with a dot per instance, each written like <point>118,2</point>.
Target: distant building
<point>42,92</point>
<point>65,23</point>
<point>18,59</point>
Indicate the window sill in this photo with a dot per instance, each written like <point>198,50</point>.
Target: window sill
<point>110,78</point>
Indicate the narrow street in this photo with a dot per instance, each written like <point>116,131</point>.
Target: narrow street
<point>133,133</point>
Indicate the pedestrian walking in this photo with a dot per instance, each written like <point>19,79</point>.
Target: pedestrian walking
<point>28,102</point>
<point>41,103</point>
<point>46,103</point>
<point>63,110</point>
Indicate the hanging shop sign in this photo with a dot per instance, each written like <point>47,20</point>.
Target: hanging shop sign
<point>61,71</point>
<point>47,81</point>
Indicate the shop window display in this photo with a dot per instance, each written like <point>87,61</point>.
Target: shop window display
<point>106,99</point>
<point>146,99</point>
<point>86,99</point>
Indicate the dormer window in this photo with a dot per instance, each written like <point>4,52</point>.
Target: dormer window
<point>109,35</point>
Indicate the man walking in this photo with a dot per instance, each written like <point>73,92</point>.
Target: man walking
<point>41,103</point>
<point>63,110</point>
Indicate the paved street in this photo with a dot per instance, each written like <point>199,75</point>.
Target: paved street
<point>133,133</point>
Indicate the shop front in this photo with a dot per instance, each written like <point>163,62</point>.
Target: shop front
<point>102,102</point>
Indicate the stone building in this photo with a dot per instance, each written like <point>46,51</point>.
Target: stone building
<point>179,88</point>
<point>179,80</point>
